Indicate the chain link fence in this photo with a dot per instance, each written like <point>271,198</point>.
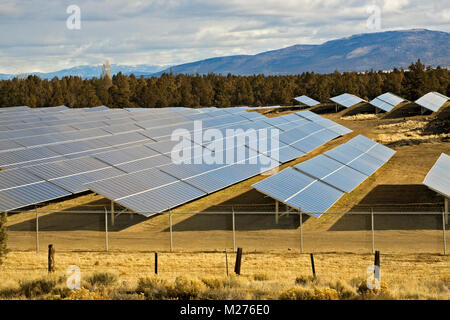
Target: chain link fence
<point>390,230</point>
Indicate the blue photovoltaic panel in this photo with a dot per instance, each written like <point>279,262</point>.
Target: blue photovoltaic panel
<point>129,184</point>
<point>347,100</point>
<point>161,199</point>
<point>75,183</point>
<point>315,199</point>
<point>307,101</point>
<point>284,184</point>
<point>12,199</point>
<point>16,178</point>
<point>332,172</point>
<point>438,178</point>
<point>299,191</point>
<point>123,155</point>
<point>432,101</point>
<point>143,164</point>
<point>386,101</point>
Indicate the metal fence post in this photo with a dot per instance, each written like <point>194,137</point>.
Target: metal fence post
<point>234,230</point>
<point>112,213</point>
<point>373,230</point>
<point>37,231</point>
<point>443,233</point>
<point>170,228</point>
<point>106,230</point>
<point>276,211</point>
<point>301,232</point>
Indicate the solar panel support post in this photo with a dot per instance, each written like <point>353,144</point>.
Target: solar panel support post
<point>443,233</point>
<point>277,204</point>
<point>112,213</point>
<point>170,229</point>
<point>301,231</point>
<point>373,230</point>
<point>234,228</point>
<point>106,231</point>
<point>37,231</point>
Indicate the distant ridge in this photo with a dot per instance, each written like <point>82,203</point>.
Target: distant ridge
<point>361,52</point>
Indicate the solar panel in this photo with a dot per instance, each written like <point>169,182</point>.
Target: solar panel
<point>299,191</point>
<point>143,164</point>
<point>123,155</point>
<point>16,178</point>
<point>161,199</point>
<point>432,101</point>
<point>332,172</point>
<point>307,101</point>
<point>438,178</point>
<point>27,195</point>
<point>386,101</point>
<point>347,100</point>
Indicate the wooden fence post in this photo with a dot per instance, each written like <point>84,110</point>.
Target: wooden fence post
<point>312,266</point>
<point>237,267</point>
<point>226,260</point>
<point>51,258</point>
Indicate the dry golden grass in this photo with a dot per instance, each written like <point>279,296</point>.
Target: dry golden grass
<point>124,275</point>
<point>408,131</point>
<point>361,116</point>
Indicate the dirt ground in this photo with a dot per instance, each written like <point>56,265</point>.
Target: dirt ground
<point>396,188</point>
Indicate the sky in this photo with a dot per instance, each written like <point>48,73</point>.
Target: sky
<point>44,36</point>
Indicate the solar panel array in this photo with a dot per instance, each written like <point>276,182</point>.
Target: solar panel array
<point>310,102</point>
<point>317,184</point>
<point>386,101</point>
<point>432,101</point>
<point>347,100</point>
<point>438,178</point>
<point>50,153</point>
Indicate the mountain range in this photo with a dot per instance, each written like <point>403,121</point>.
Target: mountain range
<point>361,52</point>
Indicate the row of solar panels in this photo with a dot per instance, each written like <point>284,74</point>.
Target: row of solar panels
<point>33,145</point>
<point>387,101</point>
<point>315,185</point>
<point>48,181</point>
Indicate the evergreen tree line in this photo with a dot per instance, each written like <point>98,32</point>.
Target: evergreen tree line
<point>168,90</point>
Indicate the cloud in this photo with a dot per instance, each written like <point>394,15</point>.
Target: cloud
<point>34,36</point>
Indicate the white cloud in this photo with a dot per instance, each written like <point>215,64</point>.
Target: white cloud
<point>34,37</point>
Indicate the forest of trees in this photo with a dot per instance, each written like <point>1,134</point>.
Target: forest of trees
<point>169,90</point>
